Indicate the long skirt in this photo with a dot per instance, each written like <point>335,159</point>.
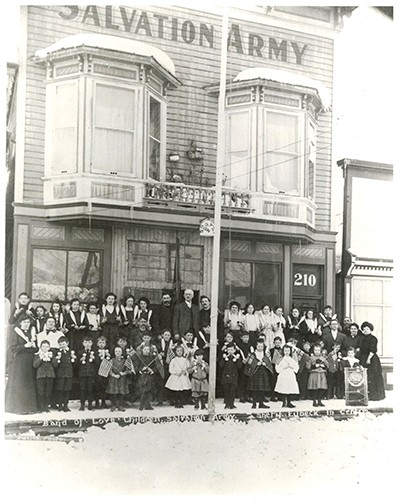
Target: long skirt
<point>317,380</point>
<point>259,381</point>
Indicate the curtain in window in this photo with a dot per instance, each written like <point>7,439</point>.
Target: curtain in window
<point>113,129</point>
<point>281,160</point>
<point>64,143</point>
<point>238,147</point>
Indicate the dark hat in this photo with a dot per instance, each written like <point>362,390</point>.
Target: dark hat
<point>367,324</point>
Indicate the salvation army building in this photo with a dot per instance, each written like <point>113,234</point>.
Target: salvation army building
<point>116,143</point>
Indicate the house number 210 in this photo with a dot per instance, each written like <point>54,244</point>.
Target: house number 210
<point>305,279</point>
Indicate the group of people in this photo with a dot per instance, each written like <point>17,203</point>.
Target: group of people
<point>133,352</point>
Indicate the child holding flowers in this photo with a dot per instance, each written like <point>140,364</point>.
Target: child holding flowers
<point>65,359</point>
<point>87,373</point>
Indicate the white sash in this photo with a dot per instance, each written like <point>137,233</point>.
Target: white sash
<point>72,315</point>
<point>104,310</point>
<point>19,332</point>
<point>137,311</point>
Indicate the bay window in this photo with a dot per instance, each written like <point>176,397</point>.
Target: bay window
<point>106,107</point>
<point>271,132</point>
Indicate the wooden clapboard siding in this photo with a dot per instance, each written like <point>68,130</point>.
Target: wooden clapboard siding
<point>192,112</point>
<point>119,266</point>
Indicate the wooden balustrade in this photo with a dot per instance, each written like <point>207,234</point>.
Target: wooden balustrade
<point>195,195</point>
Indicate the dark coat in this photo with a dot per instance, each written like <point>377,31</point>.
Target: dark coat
<point>20,389</point>
<point>87,369</point>
<point>44,369</point>
<point>186,319</point>
<point>64,366</point>
<point>230,370</point>
<point>163,318</point>
<point>329,341</point>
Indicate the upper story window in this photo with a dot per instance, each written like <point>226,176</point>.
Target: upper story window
<point>106,106</point>
<point>271,131</point>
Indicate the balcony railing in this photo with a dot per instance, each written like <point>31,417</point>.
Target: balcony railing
<point>194,198</point>
<point>126,191</point>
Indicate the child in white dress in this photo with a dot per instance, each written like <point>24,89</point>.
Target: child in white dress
<point>179,381</point>
<point>286,383</point>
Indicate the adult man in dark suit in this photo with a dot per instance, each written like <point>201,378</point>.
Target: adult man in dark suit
<point>333,336</point>
<point>186,315</point>
<point>163,314</point>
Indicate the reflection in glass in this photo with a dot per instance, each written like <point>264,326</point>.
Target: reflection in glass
<point>83,276</point>
<point>48,275</point>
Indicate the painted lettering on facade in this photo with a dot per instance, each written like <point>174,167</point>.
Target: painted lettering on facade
<point>153,25</point>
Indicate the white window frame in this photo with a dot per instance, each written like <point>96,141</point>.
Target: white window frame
<point>258,143</point>
<point>51,95</point>
<point>86,93</point>
<point>136,150</point>
<point>262,152</point>
<point>163,133</point>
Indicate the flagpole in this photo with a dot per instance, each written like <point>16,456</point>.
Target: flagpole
<point>217,215</point>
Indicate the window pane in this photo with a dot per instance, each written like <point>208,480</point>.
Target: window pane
<point>114,107</point>
<point>114,129</point>
<point>281,161</point>
<point>282,132</point>
<point>84,275</point>
<point>48,275</point>
<point>147,261</point>
<point>155,118</point>
<point>158,249</point>
<point>113,150</point>
<point>64,147</point>
<point>238,281</point>
<point>281,173</point>
<point>267,285</point>
<point>367,291</point>
<point>238,152</point>
<point>154,159</point>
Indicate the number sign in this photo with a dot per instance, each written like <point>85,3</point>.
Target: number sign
<point>306,280</point>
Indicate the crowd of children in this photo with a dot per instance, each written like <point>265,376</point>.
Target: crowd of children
<point>117,355</point>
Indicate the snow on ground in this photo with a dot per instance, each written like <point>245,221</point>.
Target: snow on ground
<point>287,458</point>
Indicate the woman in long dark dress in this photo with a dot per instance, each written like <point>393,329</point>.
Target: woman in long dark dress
<point>21,388</point>
<point>110,320</point>
<point>370,360</point>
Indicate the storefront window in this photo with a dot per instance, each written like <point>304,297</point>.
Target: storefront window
<point>147,261</point>
<point>65,274</point>
<point>256,282</point>
<point>190,263</point>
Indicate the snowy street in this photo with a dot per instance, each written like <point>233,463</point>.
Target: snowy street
<point>297,457</point>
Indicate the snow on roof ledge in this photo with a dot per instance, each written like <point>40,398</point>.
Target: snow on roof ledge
<point>111,43</point>
<point>277,75</point>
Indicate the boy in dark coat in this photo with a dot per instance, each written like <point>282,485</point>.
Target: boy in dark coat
<point>276,354</point>
<point>146,364</point>
<point>87,373</point>
<point>44,363</point>
<point>64,359</point>
<point>230,364</point>
<point>245,348</point>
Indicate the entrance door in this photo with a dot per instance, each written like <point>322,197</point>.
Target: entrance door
<point>255,282</point>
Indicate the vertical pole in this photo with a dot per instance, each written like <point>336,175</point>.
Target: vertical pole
<point>217,215</point>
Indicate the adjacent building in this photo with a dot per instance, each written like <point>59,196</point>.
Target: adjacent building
<point>366,278</point>
<point>116,141</point>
